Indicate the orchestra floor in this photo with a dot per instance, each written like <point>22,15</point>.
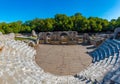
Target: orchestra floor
<point>62,59</point>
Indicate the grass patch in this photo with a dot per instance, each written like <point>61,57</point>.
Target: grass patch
<point>21,39</point>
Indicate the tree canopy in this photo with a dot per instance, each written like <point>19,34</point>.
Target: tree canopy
<point>61,22</point>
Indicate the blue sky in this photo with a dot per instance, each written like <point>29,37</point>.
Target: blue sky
<point>13,10</point>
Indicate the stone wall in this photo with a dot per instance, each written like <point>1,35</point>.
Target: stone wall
<point>60,37</point>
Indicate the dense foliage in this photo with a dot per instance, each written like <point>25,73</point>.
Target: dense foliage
<point>62,22</point>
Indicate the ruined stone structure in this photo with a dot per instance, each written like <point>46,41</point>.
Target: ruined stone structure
<point>116,33</point>
<point>34,33</point>
<point>61,37</point>
<point>18,66</point>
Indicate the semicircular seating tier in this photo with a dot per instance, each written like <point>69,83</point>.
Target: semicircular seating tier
<point>18,66</point>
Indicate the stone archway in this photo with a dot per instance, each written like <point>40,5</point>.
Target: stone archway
<point>64,38</point>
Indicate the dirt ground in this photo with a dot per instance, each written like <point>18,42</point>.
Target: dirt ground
<point>62,59</point>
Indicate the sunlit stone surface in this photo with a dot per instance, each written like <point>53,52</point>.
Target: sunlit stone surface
<point>18,66</point>
<point>62,59</point>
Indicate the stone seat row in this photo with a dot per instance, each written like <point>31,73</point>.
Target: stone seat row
<point>18,66</point>
<point>106,60</point>
<point>105,50</point>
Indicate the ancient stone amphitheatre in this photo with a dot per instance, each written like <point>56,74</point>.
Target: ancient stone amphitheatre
<point>59,64</point>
